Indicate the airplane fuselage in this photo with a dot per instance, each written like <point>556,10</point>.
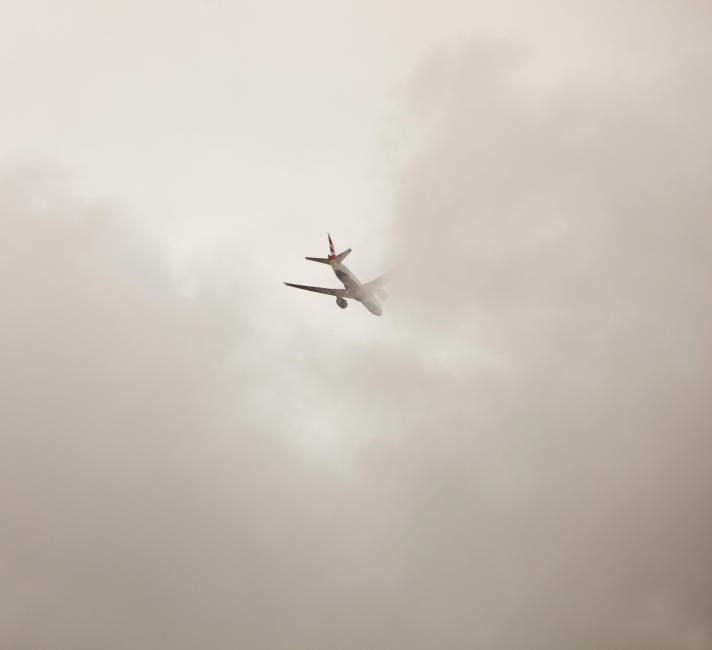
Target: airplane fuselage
<point>355,288</point>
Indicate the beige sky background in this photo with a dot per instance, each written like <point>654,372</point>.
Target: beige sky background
<point>516,455</point>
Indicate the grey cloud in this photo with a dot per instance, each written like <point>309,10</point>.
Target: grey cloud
<point>559,491</point>
<point>146,500</point>
<point>524,455</point>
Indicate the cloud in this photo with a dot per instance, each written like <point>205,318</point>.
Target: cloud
<point>147,500</point>
<point>560,244</point>
<point>154,489</point>
<point>519,455</point>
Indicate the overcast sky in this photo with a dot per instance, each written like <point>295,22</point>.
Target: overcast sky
<point>517,454</point>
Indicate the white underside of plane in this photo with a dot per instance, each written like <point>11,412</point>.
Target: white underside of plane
<point>366,293</point>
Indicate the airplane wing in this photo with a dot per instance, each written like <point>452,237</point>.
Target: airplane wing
<point>339,293</point>
<point>376,284</point>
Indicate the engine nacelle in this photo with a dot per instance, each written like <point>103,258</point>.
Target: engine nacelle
<point>341,302</point>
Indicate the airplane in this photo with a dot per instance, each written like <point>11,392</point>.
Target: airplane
<point>353,289</point>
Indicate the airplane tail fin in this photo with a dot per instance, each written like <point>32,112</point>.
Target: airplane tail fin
<point>333,257</point>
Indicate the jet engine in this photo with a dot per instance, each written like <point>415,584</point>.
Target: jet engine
<point>341,302</point>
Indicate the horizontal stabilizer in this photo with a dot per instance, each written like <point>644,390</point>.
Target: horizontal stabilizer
<point>341,256</point>
<point>323,260</point>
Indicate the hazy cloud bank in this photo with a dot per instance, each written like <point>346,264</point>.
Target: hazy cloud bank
<point>559,243</point>
<point>148,499</point>
<point>532,449</point>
